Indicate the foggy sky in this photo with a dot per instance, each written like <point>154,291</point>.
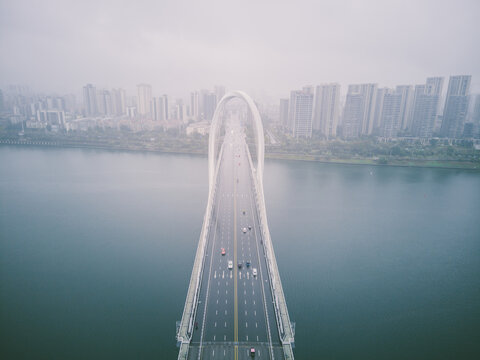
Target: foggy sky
<point>263,47</point>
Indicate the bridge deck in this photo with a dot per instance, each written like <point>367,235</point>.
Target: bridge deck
<point>235,309</point>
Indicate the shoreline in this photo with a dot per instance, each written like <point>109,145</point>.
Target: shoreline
<point>427,163</point>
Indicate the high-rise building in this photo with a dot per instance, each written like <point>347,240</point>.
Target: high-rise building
<point>2,106</point>
<point>283,112</point>
<point>144,99</point>
<point>104,102</point>
<point>456,106</point>
<point>180,110</point>
<point>426,102</point>
<point>377,117</point>
<point>219,92</point>
<point>119,101</point>
<point>208,103</point>
<point>166,113</point>
<point>406,106</point>
<point>195,105</point>
<point>160,108</point>
<point>476,116</point>
<point>326,109</point>
<point>391,114</point>
<point>90,100</point>
<point>300,112</point>
<point>358,117</point>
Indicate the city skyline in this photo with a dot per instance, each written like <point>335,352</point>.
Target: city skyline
<point>366,109</point>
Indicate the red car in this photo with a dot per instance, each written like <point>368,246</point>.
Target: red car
<point>223,251</point>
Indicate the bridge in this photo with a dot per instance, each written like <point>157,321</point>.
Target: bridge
<point>235,306</point>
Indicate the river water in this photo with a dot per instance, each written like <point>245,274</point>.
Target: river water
<point>97,247</point>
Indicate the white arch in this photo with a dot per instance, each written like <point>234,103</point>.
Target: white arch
<point>215,127</point>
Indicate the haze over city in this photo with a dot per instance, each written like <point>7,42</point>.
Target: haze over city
<point>264,47</point>
<point>239,179</point>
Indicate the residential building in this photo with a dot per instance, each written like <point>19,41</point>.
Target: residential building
<point>377,127</point>
<point>195,105</point>
<point>208,104</point>
<point>358,117</point>
<point>456,106</point>
<point>160,108</point>
<point>90,100</point>
<point>283,112</point>
<point>391,114</point>
<point>119,101</point>
<point>406,106</point>
<point>476,116</point>
<point>426,103</point>
<point>219,92</point>
<point>144,99</point>
<point>300,112</point>
<point>326,109</point>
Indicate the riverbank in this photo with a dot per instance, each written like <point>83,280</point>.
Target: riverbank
<point>392,161</point>
<point>425,163</point>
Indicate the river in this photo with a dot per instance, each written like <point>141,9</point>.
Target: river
<point>97,247</point>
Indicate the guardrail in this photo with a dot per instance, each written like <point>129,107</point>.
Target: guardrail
<point>281,312</point>
<point>184,334</point>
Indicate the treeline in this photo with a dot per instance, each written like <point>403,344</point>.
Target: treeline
<point>376,148</point>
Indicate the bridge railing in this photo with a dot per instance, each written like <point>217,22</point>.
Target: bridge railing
<point>185,329</point>
<point>280,305</point>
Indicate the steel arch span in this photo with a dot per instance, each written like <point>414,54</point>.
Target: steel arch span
<point>215,128</point>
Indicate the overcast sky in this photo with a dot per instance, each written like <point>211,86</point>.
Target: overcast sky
<point>264,47</point>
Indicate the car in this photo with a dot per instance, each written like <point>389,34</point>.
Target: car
<point>254,271</point>
<point>239,265</point>
<point>230,264</point>
<point>249,227</point>
<point>247,263</point>
<point>223,251</point>
<point>252,352</point>
<point>244,230</point>
<point>243,212</point>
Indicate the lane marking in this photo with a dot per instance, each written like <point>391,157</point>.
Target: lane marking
<point>208,282</point>
<point>235,307</point>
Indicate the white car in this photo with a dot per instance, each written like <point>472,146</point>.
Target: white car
<point>244,230</point>
<point>254,270</point>
<point>230,264</point>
